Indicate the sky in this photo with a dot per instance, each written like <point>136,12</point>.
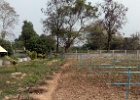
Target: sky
<point>30,10</point>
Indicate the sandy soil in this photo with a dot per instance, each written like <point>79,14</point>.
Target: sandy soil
<point>50,86</point>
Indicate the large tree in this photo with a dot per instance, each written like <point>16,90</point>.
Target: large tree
<point>78,15</point>
<point>8,17</point>
<point>55,19</point>
<point>96,36</point>
<point>71,16</point>
<point>114,17</point>
<point>27,33</point>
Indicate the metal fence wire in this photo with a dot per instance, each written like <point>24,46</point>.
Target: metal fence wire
<point>112,65</point>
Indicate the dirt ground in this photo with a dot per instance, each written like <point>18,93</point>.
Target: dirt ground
<point>71,83</point>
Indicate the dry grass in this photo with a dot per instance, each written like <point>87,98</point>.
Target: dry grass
<point>76,84</point>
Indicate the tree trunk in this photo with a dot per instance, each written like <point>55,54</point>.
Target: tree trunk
<point>57,44</point>
<point>108,42</point>
<point>67,47</point>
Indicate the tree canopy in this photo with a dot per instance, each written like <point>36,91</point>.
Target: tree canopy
<point>96,37</point>
<point>27,32</point>
<point>114,17</point>
<point>68,18</point>
<point>8,17</point>
<point>36,44</point>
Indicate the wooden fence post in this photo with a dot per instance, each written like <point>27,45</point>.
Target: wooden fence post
<point>125,53</point>
<point>76,55</point>
<point>100,52</point>
<point>137,53</point>
<point>113,53</point>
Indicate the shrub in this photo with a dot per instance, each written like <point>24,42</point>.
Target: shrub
<point>32,55</point>
<point>36,44</point>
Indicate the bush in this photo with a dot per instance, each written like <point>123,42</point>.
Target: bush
<point>32,55</point>
<point>36,44</point>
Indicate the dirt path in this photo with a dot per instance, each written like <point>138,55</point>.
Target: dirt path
<point>50,86</point>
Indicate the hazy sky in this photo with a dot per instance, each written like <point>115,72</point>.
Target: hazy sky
<point>31,10</point>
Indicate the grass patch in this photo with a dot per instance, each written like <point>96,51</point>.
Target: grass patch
<point>36,73</point>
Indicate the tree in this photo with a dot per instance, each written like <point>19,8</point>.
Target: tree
<point>55,19</point>
<point>117,42</point>
<point>114,17</point>
<point>18,44</point>
<point>134,41</point>
<point>96,37</point>
<point>27,32</point>
<point>80,14</point>
<point>66,16</point>
<point>127,45</point>
<point>50,42</point>
<point>8,17</point>
<point>37,44</point>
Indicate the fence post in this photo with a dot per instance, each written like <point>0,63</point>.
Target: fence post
<point>100,52</point>
<point>125,53</point>
<point>113,53</point>
<point>128,85</point>
<point>80,60</point>
<point>76,55</point>
<point>88,53</point>
<point>137,53</point>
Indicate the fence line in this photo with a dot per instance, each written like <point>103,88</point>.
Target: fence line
<point>120,70</point>
<point>103,53</point>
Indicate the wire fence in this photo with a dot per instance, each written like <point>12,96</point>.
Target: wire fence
<point>126,69</point>
<point>102,53</point>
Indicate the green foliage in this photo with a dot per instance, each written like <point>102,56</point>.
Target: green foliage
<point>37,44</point>
<point>18,44</point>
<point>7,46</point>
<point>32,55</point>
<point>117,42</point>
<point>49,42</point>
<point>64,16</point>
<point>133,42</point>
<point>33,79</point>
<point>96,38</point>
<point>114,18</point>
<point>27,32</point>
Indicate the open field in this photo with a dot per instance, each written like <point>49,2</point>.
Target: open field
<point>76,79</point>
